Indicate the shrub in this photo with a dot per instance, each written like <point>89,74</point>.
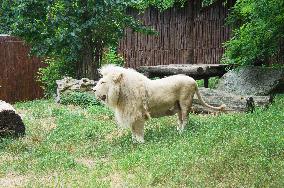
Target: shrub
<point>258,32</point>
<point>55,70</point>
<point>111,57</point>
<point>79,99</point>
<point>213,81</point>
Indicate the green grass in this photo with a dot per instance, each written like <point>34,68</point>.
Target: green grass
<point>71,146</point>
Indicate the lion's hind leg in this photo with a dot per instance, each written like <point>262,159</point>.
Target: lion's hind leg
<point>185,106</point>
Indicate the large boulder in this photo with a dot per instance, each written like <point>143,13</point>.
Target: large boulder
<point>253,80</point>
<point>233,102</point>
<point>68,85</point>
<point>11,123</point>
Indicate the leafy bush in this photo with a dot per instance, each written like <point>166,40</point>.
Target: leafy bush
<point>111,57</point>
<point>212,82</point>
<point>79,99</point>
<point>55,70</point>
<point>258,32</point>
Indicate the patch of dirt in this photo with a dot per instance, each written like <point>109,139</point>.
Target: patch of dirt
<point>114,134</point>
<point>7,157</point>
<point>116,180</point>
<point>48,124</point>
<point>86,162</point>
<point>13,180</point>
<point>22,113</point>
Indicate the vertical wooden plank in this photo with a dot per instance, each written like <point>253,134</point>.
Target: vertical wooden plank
<point>18,71</point>
<point>186,35</point>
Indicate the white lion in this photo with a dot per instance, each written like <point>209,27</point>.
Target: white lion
<point>135,98</point>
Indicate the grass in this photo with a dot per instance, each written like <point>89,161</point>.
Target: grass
<point>70,146</point>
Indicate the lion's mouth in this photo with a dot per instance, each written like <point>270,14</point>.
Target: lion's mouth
<point>103,97</point>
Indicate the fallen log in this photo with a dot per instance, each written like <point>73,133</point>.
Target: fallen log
<point>11,123</point>
<point>197,71</point>
<point>234,103</point>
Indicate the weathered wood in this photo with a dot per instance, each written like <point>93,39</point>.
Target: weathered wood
<point>188,34</point>
<point>18,71</point>
<point>199,71</point>
<point>234,103</point>
<point>206,82</point>
<point>11,123</point>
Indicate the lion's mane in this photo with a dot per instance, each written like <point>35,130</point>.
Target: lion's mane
<point>132,97</point>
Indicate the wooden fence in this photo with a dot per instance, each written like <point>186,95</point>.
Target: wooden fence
<point>191,34</point>
<point>18,71</point>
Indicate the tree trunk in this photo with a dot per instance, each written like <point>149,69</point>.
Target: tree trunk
<point>98,55</point>
<point>11,123</point>
<point>199,71</point>
<point>90,55</point>
<point>89,64</point>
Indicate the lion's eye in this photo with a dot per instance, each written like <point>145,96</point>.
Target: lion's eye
<point>103,82</point>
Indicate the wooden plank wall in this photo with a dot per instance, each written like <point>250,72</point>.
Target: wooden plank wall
<point>18,71</point>
<point>186,35</point>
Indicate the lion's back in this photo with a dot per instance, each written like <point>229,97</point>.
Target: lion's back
<point>175,81</point>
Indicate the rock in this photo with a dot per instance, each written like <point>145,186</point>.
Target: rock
<point>11,123</point>
<point>253,81</point>
<point>68,84</point>
<point>234,103</point>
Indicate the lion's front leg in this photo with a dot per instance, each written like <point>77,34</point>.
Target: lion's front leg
<point>180,121</point>
<point>137,129</point>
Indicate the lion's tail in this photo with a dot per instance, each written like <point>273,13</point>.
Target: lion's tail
<point>221,108</point>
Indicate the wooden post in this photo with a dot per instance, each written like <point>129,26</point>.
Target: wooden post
<point>206,81</point>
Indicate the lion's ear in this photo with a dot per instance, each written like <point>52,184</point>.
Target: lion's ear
<point>117,77</point>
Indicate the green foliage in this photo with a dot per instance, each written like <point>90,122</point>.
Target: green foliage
<point>212,82</point>
<point>79,98</point>
<point>55,70</point>
<point>207,2</point>
<point>85,149</point>
<point>160,4</point>
<point>112,57</point>
<point>258,31</point>
<point>77,31</point>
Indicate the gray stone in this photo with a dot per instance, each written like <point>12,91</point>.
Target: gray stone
<point>68,84</point>
<point>252,81</point>
<point>234,103</point>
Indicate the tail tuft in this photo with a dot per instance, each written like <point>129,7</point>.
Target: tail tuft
<point>222,107</point>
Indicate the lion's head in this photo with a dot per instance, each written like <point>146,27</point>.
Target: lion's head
<point>108,88</point>
<point>124,91</point>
